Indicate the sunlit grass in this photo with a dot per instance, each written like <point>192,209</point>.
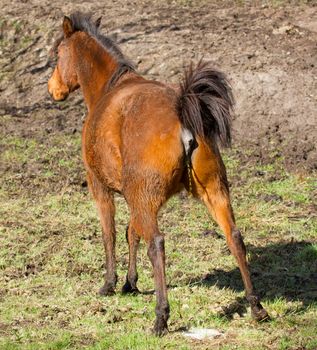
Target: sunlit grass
<point>51,260</point>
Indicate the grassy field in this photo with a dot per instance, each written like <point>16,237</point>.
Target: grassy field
<point>51,259</point>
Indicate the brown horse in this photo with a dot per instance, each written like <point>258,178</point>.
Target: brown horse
<point>147,141</point>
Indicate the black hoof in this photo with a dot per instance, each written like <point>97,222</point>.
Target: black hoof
<point>107,290</point>
<point>257,310</point>
<point>259,314</point>
<point>160,328</point>
<point>128,289</point>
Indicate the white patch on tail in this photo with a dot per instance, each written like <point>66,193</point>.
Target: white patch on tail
<point>187,139</point>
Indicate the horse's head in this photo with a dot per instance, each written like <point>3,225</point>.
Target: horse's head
<point>64,78</point>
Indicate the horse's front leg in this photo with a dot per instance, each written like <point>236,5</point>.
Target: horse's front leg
<point>106,209</point>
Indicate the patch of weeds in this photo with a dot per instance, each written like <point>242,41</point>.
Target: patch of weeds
<point>26,41</point>
<point>311,344</point>
<point>67,163</point>
<point>18,149</point>
<point>64,341</point>
<point>285,343</point>
<point>17,25</point>
<point>308,254</point>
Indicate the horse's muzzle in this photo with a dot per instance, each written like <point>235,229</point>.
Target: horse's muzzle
<point>58,90</point>
<point>57,94</point>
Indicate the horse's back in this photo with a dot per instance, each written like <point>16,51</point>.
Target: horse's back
<point>151,127</point>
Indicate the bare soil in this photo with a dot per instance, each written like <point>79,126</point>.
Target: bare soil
<point>268,50</point>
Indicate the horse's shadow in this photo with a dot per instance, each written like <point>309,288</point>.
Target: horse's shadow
<point>281,270</point>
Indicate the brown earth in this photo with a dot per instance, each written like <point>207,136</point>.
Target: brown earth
<point>268,50</point>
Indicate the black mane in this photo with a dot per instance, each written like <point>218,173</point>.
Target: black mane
<point>82,22</point>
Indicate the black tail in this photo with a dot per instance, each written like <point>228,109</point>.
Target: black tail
<point>206,102</point>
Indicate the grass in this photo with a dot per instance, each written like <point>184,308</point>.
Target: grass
<point>51,259</point>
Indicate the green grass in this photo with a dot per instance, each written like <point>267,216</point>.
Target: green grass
<point>51,259</point>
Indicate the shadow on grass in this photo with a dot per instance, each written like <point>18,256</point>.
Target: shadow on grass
<point>281,270</point>
<point>287,270</point>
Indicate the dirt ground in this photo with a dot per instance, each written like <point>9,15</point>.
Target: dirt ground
<point>268,50</point>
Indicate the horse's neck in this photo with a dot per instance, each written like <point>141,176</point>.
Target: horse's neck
<point>95,67</point>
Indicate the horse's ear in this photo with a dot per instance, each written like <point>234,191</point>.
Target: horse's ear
<point>68,27</point>
<point>98,21</point>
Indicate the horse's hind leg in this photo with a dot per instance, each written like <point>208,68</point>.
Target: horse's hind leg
<point>106,209</point>
<point>144,204</point>
<point>132,275</point>
<point>219,205</point>
<point>211,186</point>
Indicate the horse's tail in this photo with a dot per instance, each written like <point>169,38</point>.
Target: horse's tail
<point>205,103</point>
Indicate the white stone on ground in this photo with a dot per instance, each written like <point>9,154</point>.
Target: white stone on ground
<point>202,333</point>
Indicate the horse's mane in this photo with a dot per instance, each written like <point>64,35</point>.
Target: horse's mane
<point>82,22</point>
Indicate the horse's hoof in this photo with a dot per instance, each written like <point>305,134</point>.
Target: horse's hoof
<point>160,328</point>
<point>257,310</point>
<point>128,289</point>
<point>106,290</point>
<point>259,314</point>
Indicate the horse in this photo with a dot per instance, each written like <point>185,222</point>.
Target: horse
<point>148,141</point>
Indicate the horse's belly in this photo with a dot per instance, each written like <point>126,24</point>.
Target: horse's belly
<point>110,170</point>
<point>102,159</point>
